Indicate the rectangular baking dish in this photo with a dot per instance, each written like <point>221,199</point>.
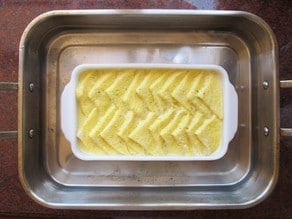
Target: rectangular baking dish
<point>56,42</point>
<point>69,111</point>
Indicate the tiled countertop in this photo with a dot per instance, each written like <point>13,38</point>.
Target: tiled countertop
<point>15,16</point>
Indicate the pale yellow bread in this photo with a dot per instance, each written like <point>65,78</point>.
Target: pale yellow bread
<point>149,112</point>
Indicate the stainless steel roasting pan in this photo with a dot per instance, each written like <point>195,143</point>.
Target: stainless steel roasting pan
<point>56,42</point>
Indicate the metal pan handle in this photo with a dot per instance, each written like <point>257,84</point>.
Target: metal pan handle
<point>286,131</point>
<point>8,86</point>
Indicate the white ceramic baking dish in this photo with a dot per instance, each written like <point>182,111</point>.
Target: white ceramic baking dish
<point>69,112</point>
